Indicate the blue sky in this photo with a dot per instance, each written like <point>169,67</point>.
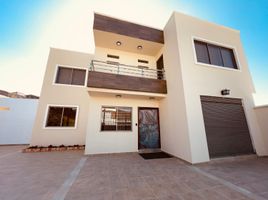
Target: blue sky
<point>251,18</point>
<point>18,21</point>
<point>22,24</point>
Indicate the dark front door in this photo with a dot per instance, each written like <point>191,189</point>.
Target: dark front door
<point>149,134</point>
<point>226,127</point>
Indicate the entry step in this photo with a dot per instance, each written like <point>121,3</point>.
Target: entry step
<point>149,150</point>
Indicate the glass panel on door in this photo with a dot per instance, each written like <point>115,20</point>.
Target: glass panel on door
<point>149,136</point>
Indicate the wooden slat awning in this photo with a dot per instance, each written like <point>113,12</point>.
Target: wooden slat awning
<point>112,25</point>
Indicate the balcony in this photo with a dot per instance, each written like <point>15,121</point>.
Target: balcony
<point>116,76</point>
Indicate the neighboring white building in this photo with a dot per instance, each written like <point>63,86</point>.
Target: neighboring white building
<point>16,120</point>
<point>185,89</point>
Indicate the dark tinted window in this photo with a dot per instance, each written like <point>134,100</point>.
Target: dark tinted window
<point>116,119</point>
<point>228,58</point>
<point>78,77</point>
<point>201,52</point>
<point>68,117</point>
<point>61,116</point>
<point>64,75</point>
<point>71,76</point>
<point>215,55</point>
<point>54,116</point>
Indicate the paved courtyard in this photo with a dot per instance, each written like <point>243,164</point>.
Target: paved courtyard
<point>71,175</point>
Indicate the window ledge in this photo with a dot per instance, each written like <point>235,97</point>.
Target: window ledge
<point>69,85</point>
<point>59,128</point>
<point>119,131</point>
<point>217,67</point>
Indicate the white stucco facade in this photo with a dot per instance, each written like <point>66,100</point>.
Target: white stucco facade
<point>201,79</point>
<point>110,141</point>
<point>56,94</point>
<point>182,128</point>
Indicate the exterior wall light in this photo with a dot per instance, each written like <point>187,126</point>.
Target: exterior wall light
<point>118,96</point>
<point>139,47</point>
<point>225,92</point>
<point>118,43</point>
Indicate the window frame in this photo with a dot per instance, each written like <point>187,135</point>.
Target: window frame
<point>71,67</point>
<point>113,131</point>
<point>239,68</point>
<point>62,106</point>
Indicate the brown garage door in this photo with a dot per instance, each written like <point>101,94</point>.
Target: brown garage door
<point>226,127</point>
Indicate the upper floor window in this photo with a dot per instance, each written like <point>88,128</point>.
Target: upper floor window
<point>215,55</point>
<point>116,118</point>
<point>70,76</point>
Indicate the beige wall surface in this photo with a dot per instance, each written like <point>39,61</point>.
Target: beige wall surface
<point>113,141</point>
<point>181,119</point>
<point>124,57</point>
<point>262,115</point>
<point>200,79</point>
<point>89,106</point>
<point>62,95</point>
<point>173,123</point>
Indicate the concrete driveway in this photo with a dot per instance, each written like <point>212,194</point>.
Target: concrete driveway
<point>70,175</point>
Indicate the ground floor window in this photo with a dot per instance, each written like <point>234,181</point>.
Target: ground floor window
<point>116,118</point>
<point>61,116</point>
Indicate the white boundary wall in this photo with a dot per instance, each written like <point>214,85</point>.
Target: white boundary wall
<point>16,120</point>
<point>262,114</point>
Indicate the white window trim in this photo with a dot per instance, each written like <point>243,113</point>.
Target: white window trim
<point>72,67</point>
<point>239,67</point>
<point>115,131</point>
<point>60,127</point>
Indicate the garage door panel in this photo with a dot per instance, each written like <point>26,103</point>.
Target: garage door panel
<point>226,127</point>
<point>229,145</point>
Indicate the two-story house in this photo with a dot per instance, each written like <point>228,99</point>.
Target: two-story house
<point>186,90</point>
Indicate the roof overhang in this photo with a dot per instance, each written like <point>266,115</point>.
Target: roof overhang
<point>107,31</point>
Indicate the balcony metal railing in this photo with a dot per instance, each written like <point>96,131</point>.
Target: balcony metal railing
<point>128,70</point>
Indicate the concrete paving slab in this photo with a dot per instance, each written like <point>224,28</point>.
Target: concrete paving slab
<point>35,175</point>
<point>127,176</point>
